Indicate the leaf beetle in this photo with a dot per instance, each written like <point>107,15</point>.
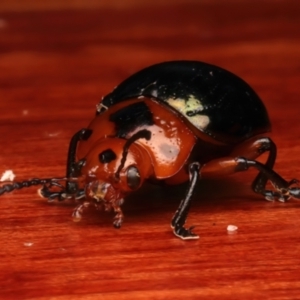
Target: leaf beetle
<point>172,122</point>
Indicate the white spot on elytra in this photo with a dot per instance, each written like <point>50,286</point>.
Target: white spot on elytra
<point>191,104</point>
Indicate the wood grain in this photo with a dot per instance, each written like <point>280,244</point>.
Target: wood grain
<point>55,66</point>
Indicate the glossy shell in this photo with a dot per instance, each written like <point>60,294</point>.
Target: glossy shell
<point>211,99</point>
<point>171,141</point>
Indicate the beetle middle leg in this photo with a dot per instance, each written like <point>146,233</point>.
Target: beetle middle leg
<point>180,216</point>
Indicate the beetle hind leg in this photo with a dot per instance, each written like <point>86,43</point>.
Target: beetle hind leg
<point>283,189</point>
<point>260,181</point>
<point>181,214</point>
<point>253,149</point>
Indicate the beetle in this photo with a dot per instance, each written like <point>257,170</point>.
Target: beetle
<point>172,122</point>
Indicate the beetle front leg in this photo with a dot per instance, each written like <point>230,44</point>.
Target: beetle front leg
<point>181,214</point>
<point>73,169</point>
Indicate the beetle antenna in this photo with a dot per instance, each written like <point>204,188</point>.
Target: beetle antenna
<point>142,134</point>
<point>9,187</point>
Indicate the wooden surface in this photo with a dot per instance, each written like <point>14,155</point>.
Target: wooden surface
<point>55,64</point>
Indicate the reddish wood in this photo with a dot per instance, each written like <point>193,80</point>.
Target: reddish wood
<point>55,65</point>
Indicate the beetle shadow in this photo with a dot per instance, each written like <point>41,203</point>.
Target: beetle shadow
<point>208,193</point>
<point>152,199</point>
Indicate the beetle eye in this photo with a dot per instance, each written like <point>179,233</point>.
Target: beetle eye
<point>107,156</point>
<point>133,177</point>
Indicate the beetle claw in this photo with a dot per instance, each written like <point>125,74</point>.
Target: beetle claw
<point>117,223</point>
<point>279,196</point>
<point>294,181</point>
<point>45,192</point>
<point>185,234</point>
<point>285,193</point>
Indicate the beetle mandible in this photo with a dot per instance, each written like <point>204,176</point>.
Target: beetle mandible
<point>171,122</point>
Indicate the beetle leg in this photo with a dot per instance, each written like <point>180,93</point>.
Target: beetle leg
<point>73,168</point>
<point>260,181</point>
<point>77,212</point>
<point>229,165</point>
<point>252,150</point>
<point>46,192</point>
<point>283,190</point>
<point>180,216</point>
<point>119,217</point>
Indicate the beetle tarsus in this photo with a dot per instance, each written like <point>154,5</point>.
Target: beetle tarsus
<point>273,195</point>
<point>51,196</point>
<point>294,181</point>
<point>44,192</point>
<point>62,195</point>
<point>117,223</point>
<point>293,191</point>
<point>185,234</point>
<point>283,190</point>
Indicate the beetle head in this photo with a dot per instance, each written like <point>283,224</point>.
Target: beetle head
<point>116,166</point>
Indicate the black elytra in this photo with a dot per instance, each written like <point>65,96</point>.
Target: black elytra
<point>234,110</point>
<point>131,117</point>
